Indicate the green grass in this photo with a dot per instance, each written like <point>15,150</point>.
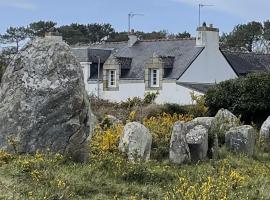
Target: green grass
<point>110,176</point>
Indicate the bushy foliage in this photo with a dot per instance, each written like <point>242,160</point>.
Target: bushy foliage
<point>106,139</point>
<point>160,127</point>
<point>216,185</point>
<point>199,109</point>
<point>246,96</point>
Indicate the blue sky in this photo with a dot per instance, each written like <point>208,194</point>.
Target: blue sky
<point>171,15</point>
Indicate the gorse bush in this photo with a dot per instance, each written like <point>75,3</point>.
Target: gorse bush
<point>211,185</point>
<point>246,96</point>
<point>161,128</point>
<point>106,140</point>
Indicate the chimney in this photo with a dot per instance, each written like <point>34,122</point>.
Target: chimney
<point>132,38</point>
<point>207,36</point>
<point>53,34</point>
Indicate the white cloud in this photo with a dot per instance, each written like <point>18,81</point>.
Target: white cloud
<point>247,9</point>
<point>22,4</point>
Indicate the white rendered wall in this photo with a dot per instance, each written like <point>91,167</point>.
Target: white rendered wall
<point>126,90</point>
<point>173,93</point>
<point>170,93</point>
<point>86,72</point>
<point>210,66</point>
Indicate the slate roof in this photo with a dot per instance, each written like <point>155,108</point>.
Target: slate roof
<point>199,87</point>
<point>183,53</point>
<point>177,53</point>
<point>244,63</point>
<point>81,54</point>
<point>88,53</point>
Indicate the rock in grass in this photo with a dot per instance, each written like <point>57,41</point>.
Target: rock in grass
<point>209,124</point>
<point>43,102</point>
<point>226,119</point>
<point>179,150</point>
<point>197,139</point>
<point>265,130</point>
<point>136,141</point>
<point>223,121</point>
<point>241,139</point>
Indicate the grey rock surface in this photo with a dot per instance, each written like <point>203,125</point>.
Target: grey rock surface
<point>241,139</point>
<point>197,139</point>
<point>225,119</point>
<point>136,141</point>
<point>207,122</point>
<point>179,150</point>
<point>265,130</point>
<point>43,102</point>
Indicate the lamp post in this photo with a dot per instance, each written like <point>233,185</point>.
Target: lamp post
<point>98,76</point>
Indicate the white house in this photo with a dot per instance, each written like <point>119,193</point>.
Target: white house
<point>173,68</point>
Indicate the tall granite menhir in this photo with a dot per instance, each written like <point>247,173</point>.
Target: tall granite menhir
<point>43,103</point>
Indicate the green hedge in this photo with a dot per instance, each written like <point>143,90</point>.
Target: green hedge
<point>246,96</point>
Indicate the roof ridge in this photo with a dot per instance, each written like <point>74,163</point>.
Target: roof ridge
<point>166,39</point>
<point>239,52</point>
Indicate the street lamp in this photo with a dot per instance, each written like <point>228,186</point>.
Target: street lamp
<point>98,76</point>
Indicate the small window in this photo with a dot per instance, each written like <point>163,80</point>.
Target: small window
<point>154,78</point>
<point>112,78</point>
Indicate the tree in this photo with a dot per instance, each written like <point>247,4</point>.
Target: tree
<point>243,37</point>
<point>153,35</point>
<point>89,33</point>
<point>14,35</point>
<point>184,34</point>
<point>40,28</point>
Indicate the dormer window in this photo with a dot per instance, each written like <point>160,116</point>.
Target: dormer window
<point>112,78</point>
<point>154,81</point>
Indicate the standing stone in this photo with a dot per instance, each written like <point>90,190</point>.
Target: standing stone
<point>265,130</point>
<point>179,150</point>
<point>43,102</point>
<point>223,121</point>
<point>241,139</point>
<point>136,141</point>
<point>226,119</point>
<point>207,122</point>
<point>197,139</point>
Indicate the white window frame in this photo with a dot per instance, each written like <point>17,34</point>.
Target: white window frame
<point>112,78</point>
<point>154,77</point>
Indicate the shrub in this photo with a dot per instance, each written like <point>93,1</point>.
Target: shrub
<point>106,140</point>
<point>161,128</point>
<point>5,157</point>
<point>246,96</point>
<point>150,97</point>
<point>172,108</point>
<point>132,102</point>
<point>198,109</point>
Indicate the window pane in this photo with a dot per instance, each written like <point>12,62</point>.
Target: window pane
<point>154,77</point>
<point>112,77</point>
